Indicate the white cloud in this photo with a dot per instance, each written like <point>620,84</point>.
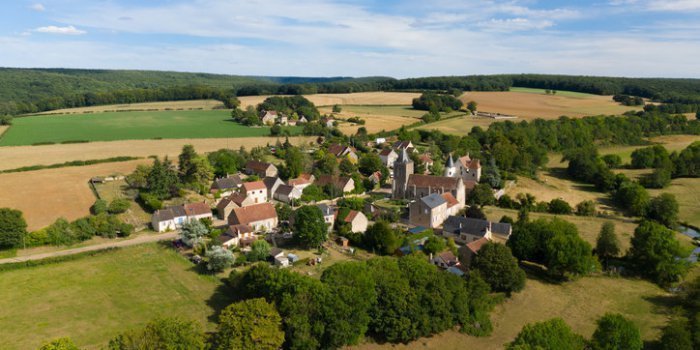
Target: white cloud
<point>38,7</point>
<point>69,30</point>
<point>674,5</point>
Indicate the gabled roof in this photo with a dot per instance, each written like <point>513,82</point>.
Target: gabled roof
<point>425,181</point>
<point>475,246</point>
<point>337,181</point>
<point>447,257</point>
<point>285,190</point>
<point>237,198</point>
<point>386,152</point>
<point>270,181</point>
<point>252,213</point>
<point>255,185</point>
<point>402,144</point>
<point>163,215</point>
<point>178,211</point>
<point>193,209</point>
<point>469,163</point>
<point>475,227</point>
<point>326,209</point>
<point>230,182</point>
<point>469,184</point>
<point>450,199</point>
<point>351,215</point>
<point>433,201</point>
<point>298,182</point>
<point>425,158</point>
<point>257,165</point>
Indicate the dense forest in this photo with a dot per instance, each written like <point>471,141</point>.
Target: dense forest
<point>34,90</point>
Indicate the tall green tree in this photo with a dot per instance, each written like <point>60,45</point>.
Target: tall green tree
<point>676,336</point>
<point>12,228</point>
<point>185,166</point>
<point>382,238</point>
<point>481,195</point>
<point>655,253</point>
<point>252,324</point>
<point>499,268</point>
<point>607,245</point>
<point>294,162</point>
<point>615,332</point>
<point>310,228</point>
<point>370,163</point>
<point>162,333</point>
<point>162,181</point>
<point>664,209</point>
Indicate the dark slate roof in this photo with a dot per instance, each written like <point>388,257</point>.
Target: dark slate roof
<point>163,215</point>
<point>450,162</point>
<point>228,182</point>
<point>476,227</point>
<point>434,200</point>
<point>178,211</point>
<point>285,190</point>
<point>271,181</point>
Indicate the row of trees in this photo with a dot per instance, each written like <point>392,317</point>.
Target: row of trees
<point>437,103</point>
<point>389,299</point>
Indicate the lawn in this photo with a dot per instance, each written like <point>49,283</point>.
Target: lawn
<point>94,298</point>
<point>127,126</point>
<point>687,192</point>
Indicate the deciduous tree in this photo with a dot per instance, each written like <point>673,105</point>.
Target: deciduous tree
<point>499,268</point>
<point>615,332</point>
<point>252,324</point>
<point>310,228</point>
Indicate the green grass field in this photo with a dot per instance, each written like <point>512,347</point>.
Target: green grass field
<point>559,92</point>
<point>128,126</point>
<point>92,299</point>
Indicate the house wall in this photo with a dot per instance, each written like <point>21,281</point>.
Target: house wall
<point>271,171</point>
<point>264,225</point>
<point>162,226</point>
<point>360,223</point>
<point>350,186</point>
<point>256,196</point>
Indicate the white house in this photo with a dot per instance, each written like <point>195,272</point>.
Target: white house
<point>255,190</point>
<point>173,217</point>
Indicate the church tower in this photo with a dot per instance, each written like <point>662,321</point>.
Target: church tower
<point>450,168</point>
<point>403,168</point>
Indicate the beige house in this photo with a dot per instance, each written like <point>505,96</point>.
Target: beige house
<point>261,217</point>
<point>346,184</point>
<point>388,157</point>
<point>407,185</point>
<point>255,190</point>
<point>269,117</point>
<point>238,235</point>
<point>235,200</point>
<point>357,220</point>
<point>429,211</point>
<point>340,151</point>
<point>301,182</point>
<point>445,260</point>
<point>262,169</point>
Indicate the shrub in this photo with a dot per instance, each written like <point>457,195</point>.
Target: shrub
<point>119,205</point>
<point>552,334</point>
<point>586,208</point>
<point>99,207</point>
<point>219,259</point>
<point>150,202</point>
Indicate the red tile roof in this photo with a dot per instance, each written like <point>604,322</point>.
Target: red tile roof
<point>475,246</point>
<point>425,181</point>
<point>197,209</point>
<point>255,185</point>
<point>351,216</point>
<point>450,199</point>
<point>386,152</point>
<point>253,213</point>
<point>469,163</point>
<point>257,165</point>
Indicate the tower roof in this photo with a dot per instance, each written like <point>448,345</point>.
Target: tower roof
<point>403,157</point>
<point>450,162</point>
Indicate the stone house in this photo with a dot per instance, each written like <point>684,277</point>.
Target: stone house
<point>261,169</point>
<point>357,220</point>
<point>345,184</point>
<point>261,217</point>
<point>255,190</point>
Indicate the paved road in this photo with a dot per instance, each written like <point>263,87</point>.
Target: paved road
<point>147,238</point>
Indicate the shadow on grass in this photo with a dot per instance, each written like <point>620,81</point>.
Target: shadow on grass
<point>539,273</point>
<point>223,296</point>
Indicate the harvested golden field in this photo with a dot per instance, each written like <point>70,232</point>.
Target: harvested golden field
<point>670,142</point>
<point>579,303</point>
<point>46,195</point>
<point>527,105</point>
<point>3,128</point>
<point>160,106</point>
<point>19,156</point>
<point>459,126</point>
<point>551,185</point>
<point>359,98</point>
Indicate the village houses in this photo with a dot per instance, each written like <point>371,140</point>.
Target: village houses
<point>261,169</point>
<point>172,218</point>
<point>261,217</point>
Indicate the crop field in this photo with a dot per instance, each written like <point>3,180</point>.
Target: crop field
<point>378,117</point>
<point>358,98</point>
<point>161,106</point>
<point>559,92</point>
<point>20,156</point>
<point>580,303</point>
<point>528,105</point>
<point>459,126</point>
<point>127,126</point>
<point>93,299</point>
<point>46,195</point>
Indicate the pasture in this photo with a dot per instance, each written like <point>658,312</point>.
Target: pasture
<point>20,156</point>
<point>151,106</point>
<point>580,303</point>
<point>92,299</point>
<point>127,126</point>
<point>527,104</point>
<point>687,192</point>
<point>46,195</point>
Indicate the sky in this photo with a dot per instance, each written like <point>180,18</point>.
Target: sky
<point>411,38</point>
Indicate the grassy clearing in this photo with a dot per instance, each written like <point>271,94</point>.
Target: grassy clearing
<point>161,106</point>
<point>110,191</point>
<point>127,126</point>
<point>579,303</point>
<point>93,299</point>
<point>670,142</point>
<point>687,192</point>
<point>559,92</point>
<point>458,126</point>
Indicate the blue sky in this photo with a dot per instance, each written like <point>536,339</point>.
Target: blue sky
<point>357,38</point>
